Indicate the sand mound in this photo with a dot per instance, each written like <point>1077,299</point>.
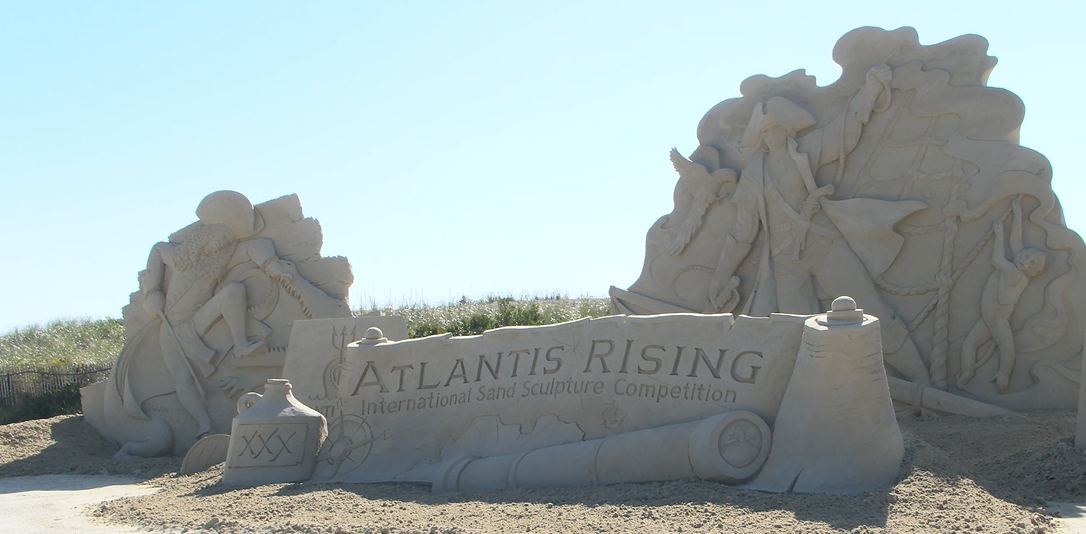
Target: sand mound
<point>959,475</point>
<point>66,445</point>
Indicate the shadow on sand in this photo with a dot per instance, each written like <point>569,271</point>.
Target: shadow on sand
<point>867,509</point>
<point>73,447</point>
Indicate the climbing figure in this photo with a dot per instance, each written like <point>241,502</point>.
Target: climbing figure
<point>1001,294</point>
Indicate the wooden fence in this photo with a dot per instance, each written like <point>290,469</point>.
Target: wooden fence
<point>22,383</point>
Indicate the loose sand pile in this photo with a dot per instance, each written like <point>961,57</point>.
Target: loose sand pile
<point>976,475</point>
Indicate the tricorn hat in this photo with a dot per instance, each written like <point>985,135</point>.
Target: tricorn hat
<point>232,209</point>
<point>778,110</point>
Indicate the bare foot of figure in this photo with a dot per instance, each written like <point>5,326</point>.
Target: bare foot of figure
<point>965,378</point>
<point>1002,381</point>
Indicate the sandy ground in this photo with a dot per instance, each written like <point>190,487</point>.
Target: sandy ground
<point>959,475</point>
<point>1070,518</point>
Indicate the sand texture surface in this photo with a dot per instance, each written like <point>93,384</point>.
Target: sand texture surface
<point>959,475</point>
<point>57,504</point>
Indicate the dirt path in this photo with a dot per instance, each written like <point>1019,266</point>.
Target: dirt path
<point>56,504</point>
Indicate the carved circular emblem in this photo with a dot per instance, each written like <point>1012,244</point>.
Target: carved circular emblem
<point>347,446</point>
<point>740,443</point>
<point>613,418</point>
<point>731,447</point>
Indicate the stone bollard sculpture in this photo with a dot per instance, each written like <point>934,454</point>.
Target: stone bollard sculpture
<point>273,439</point>
<point>729,448</point>
<point>836,431</point>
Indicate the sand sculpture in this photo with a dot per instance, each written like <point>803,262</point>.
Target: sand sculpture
<point>620,399</point>
<point>896,185</point>
<point>212,320</point>
<point>315,360</point>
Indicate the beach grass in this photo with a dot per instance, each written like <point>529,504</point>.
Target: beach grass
<point>42,367</point>
<point>98,341</point>
<point>62,342</point>
<point>470,317</point>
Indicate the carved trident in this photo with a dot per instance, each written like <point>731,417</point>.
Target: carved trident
<point>339,342</point>
<point>344,338</point>
<point>334,369</point>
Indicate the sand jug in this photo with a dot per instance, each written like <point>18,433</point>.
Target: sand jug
<point>273,439</point>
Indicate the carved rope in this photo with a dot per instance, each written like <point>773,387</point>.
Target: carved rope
<point>940,340</point>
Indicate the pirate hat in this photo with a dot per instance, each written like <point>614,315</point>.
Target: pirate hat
<point>778,110</point>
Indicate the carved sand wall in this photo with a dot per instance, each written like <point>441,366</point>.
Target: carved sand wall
<point>411,406</point>
<point>901,184</point>
<point>621,399</point>
<point>212,321</point>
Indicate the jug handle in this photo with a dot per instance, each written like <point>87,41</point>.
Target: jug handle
<point>247,401</point>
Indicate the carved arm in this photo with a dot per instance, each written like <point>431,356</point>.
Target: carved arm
<point>836,142</point>
<point>1016,226</point>
<point>999,254</point>
<point>722,289</point>
<point>151,282</point>
<point>262,252</point>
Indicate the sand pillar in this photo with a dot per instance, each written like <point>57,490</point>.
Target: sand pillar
<point>836,431</point>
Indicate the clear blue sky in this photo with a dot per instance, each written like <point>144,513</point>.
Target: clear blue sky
<point>447,148</point>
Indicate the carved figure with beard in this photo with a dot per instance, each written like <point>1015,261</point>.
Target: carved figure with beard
<point>189,306</point>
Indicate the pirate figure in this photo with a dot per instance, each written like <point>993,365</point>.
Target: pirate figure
<point>841,245</point>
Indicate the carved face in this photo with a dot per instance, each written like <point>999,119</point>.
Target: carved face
<point>774,136</point>
<point>217,243</point>
<point>221,238</point>
<point>1030,261</point>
